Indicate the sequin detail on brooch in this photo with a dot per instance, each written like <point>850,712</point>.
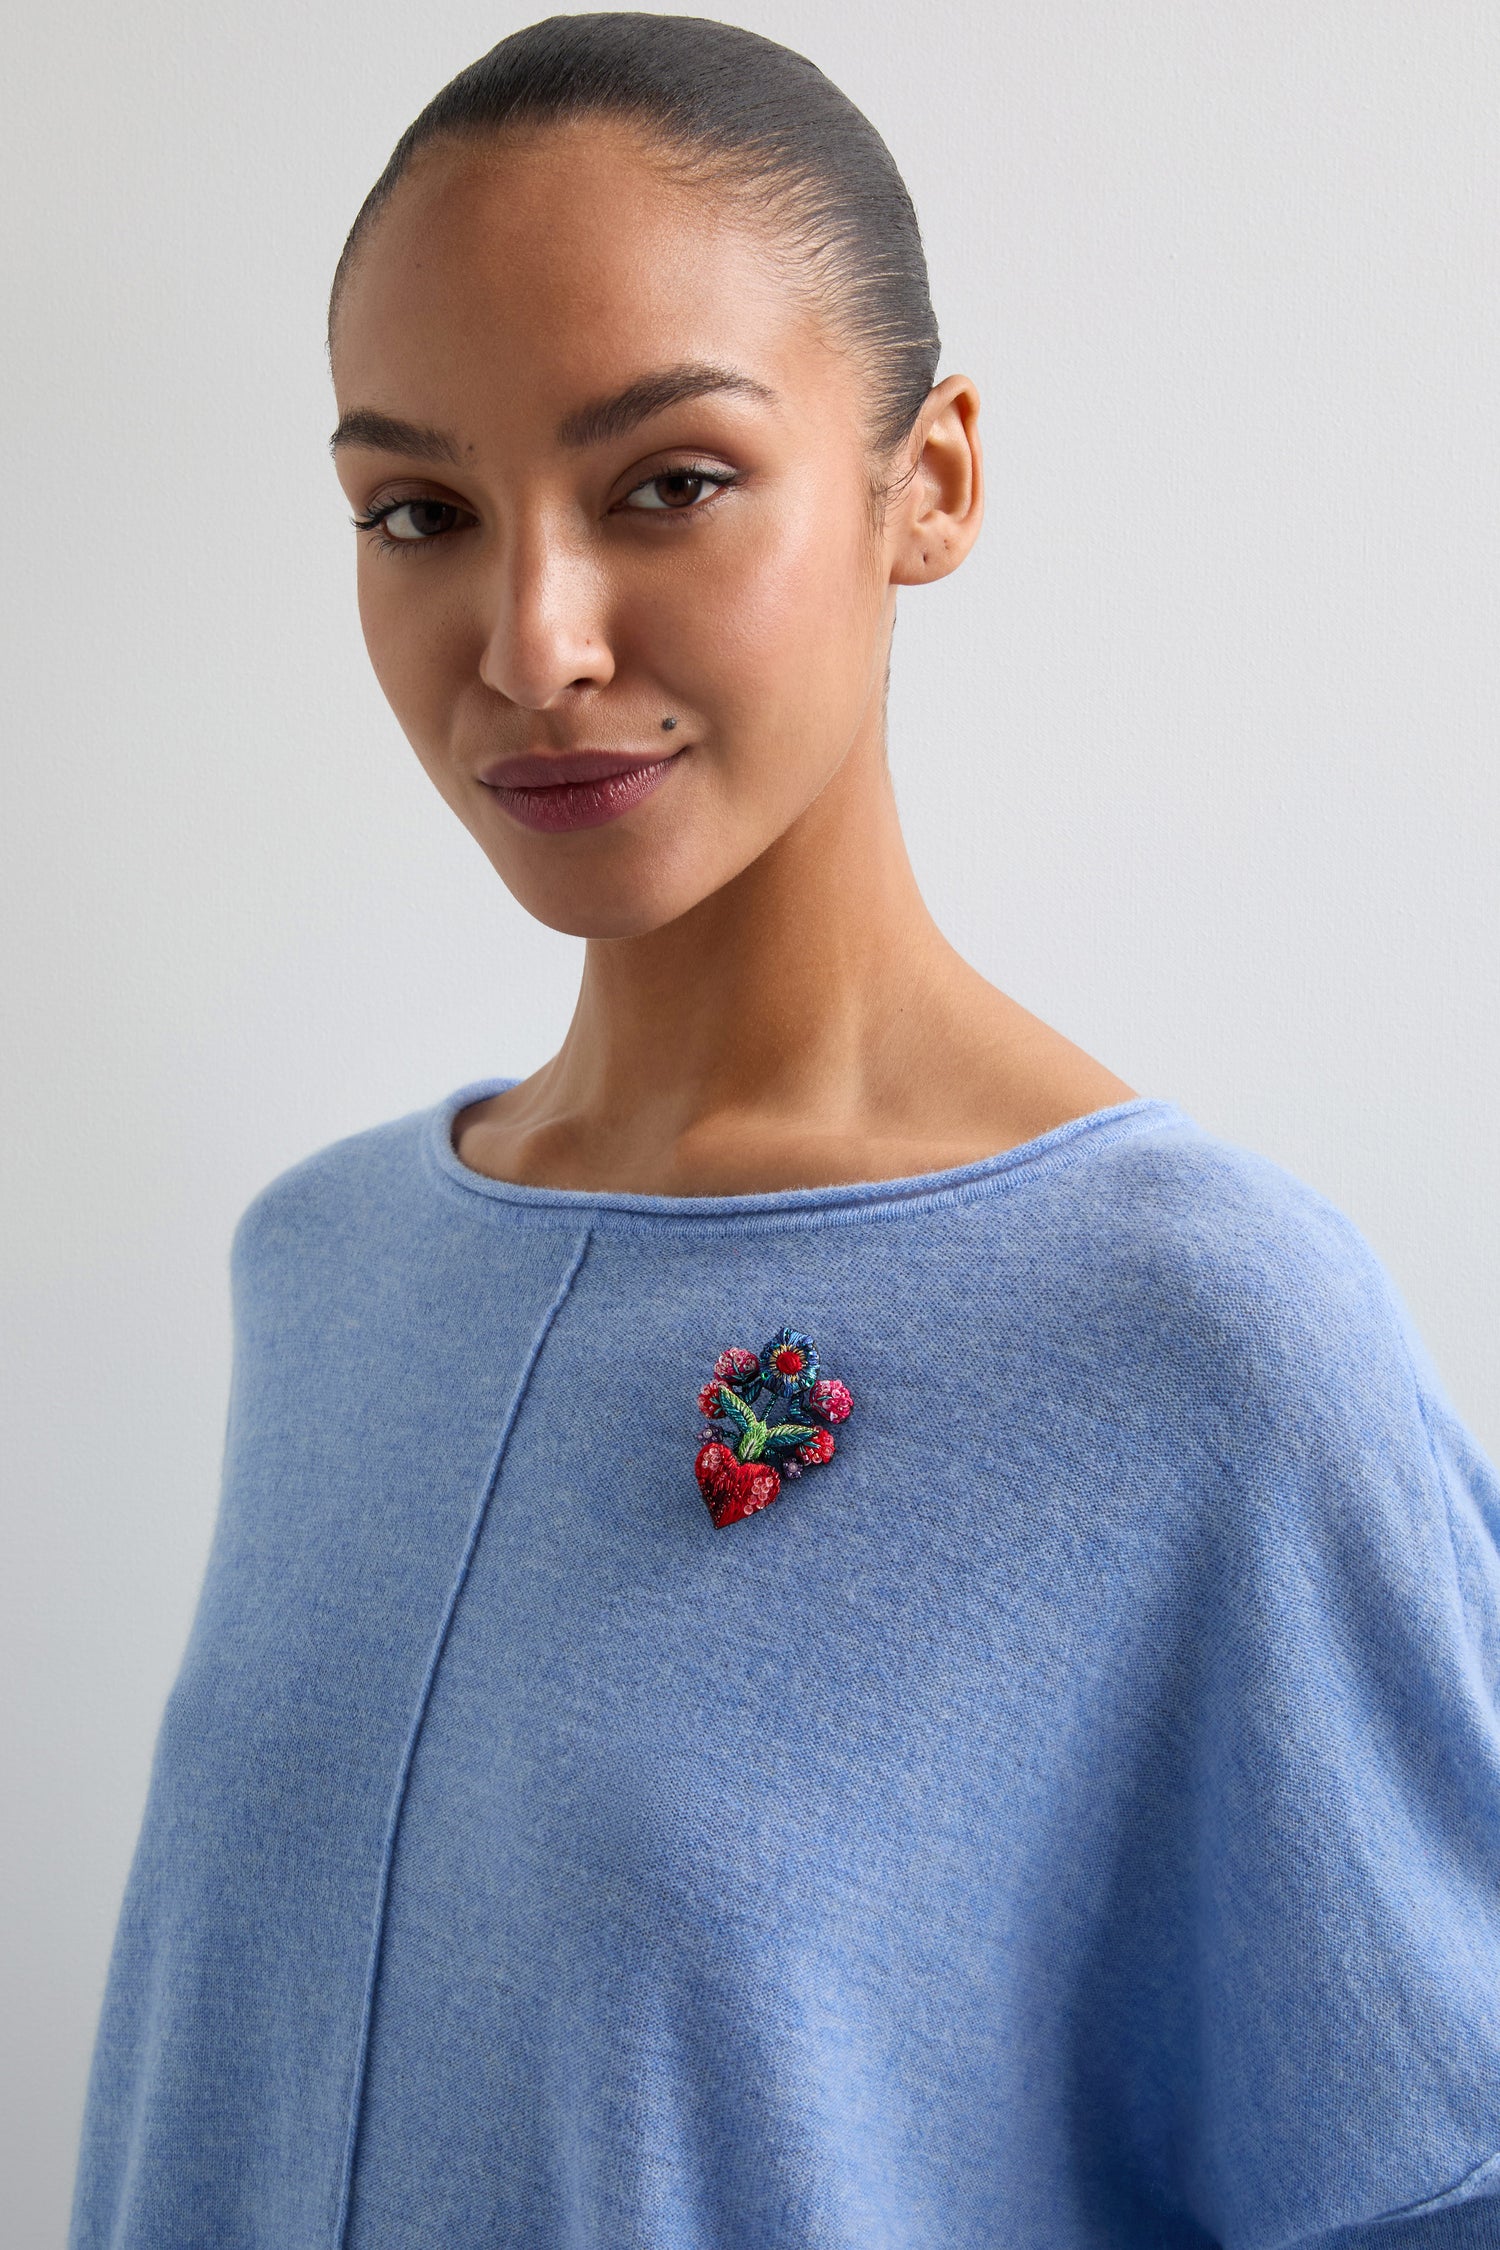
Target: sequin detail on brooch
<point>768,1417</point>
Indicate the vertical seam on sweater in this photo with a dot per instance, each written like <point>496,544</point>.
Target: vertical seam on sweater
<point>413,1735</point>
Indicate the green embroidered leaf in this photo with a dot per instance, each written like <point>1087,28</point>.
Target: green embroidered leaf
<point>752,1438</point>
<point>788,1434</point>
<point>736,1409</point>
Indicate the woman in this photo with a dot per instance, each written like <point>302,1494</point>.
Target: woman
<point>827,1627</point>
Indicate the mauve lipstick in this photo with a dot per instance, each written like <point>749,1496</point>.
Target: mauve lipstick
<point>576,788</point>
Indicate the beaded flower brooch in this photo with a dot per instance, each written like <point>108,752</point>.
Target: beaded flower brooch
<point>768,1418</point>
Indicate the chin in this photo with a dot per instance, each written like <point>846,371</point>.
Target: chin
<point>629,888</point>
<point>588,921</point>
<point>598,908</point>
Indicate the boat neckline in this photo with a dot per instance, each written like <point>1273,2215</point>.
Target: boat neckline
<point>952,1184</point>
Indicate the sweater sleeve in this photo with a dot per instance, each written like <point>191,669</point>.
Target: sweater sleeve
<point>1473,2225</point>
<point>1346,1895</point>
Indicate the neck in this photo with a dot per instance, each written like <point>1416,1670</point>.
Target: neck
<point>791,992</point>
<point>806,1022</point>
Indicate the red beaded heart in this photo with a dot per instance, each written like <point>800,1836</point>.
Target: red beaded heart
<point>734,1488</point>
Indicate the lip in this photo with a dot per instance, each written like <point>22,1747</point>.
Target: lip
<point>581,789</point>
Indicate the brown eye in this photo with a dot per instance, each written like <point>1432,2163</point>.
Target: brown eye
<point>678,490</point>
<point>411,521</point>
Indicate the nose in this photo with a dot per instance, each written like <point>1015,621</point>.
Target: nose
<point>545,625</point>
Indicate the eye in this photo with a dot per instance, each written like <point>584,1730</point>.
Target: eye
<point>409,523</point>
<point>677,491</point>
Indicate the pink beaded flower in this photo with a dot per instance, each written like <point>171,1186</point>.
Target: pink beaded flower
<point>768,1417</point>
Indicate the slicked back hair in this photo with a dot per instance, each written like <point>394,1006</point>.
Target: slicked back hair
<point>740,113</point>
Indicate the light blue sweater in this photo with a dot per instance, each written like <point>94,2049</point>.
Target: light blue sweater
<point>1068,1818</point>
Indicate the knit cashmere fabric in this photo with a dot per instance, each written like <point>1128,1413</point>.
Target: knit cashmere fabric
<point>1066,1819</point>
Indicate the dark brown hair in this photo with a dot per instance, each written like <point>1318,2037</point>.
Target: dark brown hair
<point>727,107</point>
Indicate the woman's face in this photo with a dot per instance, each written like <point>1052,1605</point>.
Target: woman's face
<point>632,484</point>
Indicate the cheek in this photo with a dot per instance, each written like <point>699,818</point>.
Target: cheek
<point>415,650</point>
<point>777,622</point>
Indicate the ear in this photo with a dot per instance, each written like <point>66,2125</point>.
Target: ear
<point>938,506</point>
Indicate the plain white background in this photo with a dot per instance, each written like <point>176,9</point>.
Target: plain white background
<point>1196,755</point>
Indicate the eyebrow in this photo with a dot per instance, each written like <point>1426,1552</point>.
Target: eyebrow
<point>601,419</point>
<point>362,425</point>
<point>618,414</point>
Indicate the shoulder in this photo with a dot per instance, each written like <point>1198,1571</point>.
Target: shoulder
<point>1224,1229</point>
<point>1222,1283</point>
<point>342,1200</point>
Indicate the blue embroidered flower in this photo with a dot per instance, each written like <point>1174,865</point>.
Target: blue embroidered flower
<point>789,1364</point>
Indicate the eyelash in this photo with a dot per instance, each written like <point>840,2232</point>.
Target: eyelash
<point>373,520</point>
